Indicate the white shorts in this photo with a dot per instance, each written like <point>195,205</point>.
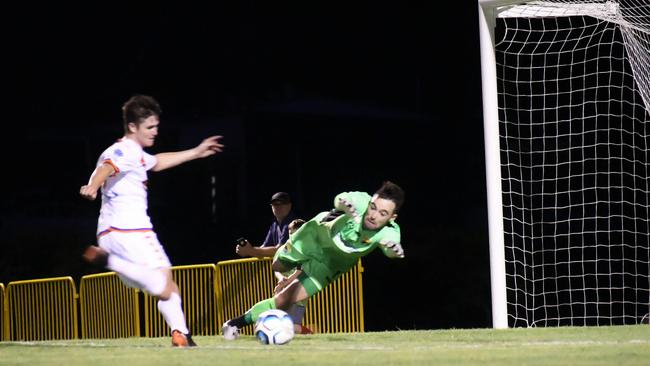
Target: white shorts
<point>141,248</point>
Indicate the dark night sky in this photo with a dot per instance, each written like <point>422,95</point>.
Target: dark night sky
<point>313,99</point>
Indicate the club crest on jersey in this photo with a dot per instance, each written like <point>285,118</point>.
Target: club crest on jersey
<point>118,152</point>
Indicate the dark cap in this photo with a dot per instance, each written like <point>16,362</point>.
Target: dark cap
<point>281,197</point>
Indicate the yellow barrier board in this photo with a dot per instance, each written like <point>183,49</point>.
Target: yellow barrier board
<point>44,309</point>
<point>243,282</point>
<point>196,285</point>
<point>339,307</point>
<point>107,307</point>
<point>4,314</point>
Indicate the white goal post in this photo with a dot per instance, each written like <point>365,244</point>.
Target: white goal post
<point>566,108</point>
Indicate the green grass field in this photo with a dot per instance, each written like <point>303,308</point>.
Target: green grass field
<point>623,345</point>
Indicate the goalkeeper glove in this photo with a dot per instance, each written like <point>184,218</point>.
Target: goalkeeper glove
<point>392,249</point>
<point>347,207</point>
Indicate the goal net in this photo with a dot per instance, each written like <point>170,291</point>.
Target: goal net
<point>573,101</point>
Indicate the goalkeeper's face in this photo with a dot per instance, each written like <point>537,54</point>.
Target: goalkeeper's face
<point>380,212</point>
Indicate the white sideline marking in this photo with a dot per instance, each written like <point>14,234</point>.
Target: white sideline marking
<point>213,346</point>
<point>352,347</point>
<point>536,344</point>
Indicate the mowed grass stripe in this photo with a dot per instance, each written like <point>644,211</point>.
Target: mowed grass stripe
<point>628,345</point>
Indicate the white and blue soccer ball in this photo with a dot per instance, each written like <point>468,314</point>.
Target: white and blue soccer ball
<point>274,327</point>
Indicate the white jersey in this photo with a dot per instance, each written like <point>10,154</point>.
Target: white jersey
<point>124,194</point>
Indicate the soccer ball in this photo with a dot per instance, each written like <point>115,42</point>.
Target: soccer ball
<point>274,327</point>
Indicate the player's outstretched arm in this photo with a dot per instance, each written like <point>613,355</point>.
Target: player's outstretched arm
<point>207,147</point>
<point>89,191</point>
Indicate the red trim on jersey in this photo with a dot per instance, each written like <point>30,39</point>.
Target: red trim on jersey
<point>110,162</point>
<point>114,229</point>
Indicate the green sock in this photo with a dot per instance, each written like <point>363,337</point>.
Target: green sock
<point>251,315</point>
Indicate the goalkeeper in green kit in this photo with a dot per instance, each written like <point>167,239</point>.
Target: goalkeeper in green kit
<point>329,245</point>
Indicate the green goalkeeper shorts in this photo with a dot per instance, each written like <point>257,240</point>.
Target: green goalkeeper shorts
<point>315,275</point>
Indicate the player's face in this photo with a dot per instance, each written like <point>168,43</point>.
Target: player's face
<point>380,212</point>
<point>145,133</point>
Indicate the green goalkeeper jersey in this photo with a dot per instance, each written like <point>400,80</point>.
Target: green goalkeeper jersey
<point>333,246</point>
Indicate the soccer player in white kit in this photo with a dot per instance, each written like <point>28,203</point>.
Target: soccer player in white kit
<point>127,243</point>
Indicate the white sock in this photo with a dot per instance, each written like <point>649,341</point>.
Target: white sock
<point>151,280</point>
<point>172,311</point>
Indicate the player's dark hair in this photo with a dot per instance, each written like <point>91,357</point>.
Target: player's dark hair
<point>393,192</point>
<point>296,224</point>
<point>138,108</point>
